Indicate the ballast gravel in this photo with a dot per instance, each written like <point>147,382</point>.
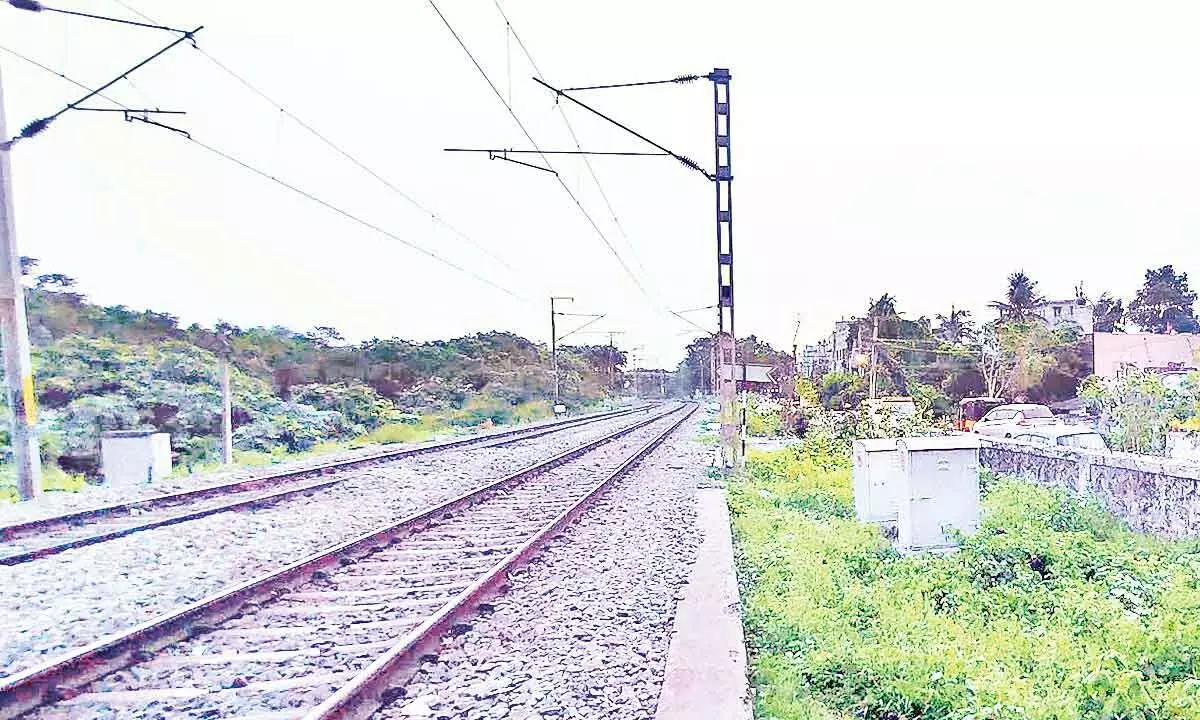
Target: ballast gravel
<point>522,510</point>
<point>585,628</point>
<point>57,503</point>
<point>68,600</point>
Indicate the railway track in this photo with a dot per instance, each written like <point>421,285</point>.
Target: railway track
<point>327,636</point>
<point>28,541</point>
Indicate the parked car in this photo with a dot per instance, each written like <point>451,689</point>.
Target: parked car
<point>971,409</point>
<point>1073,436</point>
<point>1008,420</point>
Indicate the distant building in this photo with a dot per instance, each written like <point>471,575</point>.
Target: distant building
<point>1116,352</point>
<point>1058,313</point>
<point>815,360</point>
<point>842,345</point>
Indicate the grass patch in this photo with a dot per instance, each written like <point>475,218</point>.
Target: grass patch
<point>406,432</point>
<point>1052,611</point>
<point>54,479</point>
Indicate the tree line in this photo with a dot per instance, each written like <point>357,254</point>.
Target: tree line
<point>938,360</point>
<point>101,368</point>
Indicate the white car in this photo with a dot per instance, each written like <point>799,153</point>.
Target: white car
<point>1008,420</point>
<point>1083,437</point>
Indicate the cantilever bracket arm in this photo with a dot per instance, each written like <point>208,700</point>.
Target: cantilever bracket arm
<point>503,155</point>
<point>557,152</point>
<point>593,321</point>
<point>686,161</point>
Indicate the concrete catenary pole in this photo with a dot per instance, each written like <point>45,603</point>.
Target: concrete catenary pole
<point>226,414</point>
<point>554,347</point>
<point>14,335</point>
<point>612,359</point>
<point>725,340</point>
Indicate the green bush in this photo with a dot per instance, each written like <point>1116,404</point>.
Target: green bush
<point>403,432</point>
<point>358,403</point>
<point>1053,610</point>
<point>842,391</point>
<point>764,417</point>
<point>295,427</point>
<point>53,480</point>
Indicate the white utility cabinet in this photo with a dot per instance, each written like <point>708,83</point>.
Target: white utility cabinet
<point>131,457</point>
<point>940,491</point>
<point>878,480</point>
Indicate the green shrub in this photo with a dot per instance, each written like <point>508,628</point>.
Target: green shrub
<point>1053,610</point>
<point>53,480</point>
<point>763,417</point>
<point>403,432</point>
<point>358,403</point>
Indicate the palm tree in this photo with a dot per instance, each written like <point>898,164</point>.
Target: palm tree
<point>1021,300</point>
<point>956,327</point>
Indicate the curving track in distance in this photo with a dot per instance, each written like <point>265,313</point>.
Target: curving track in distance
<point>326,636</point>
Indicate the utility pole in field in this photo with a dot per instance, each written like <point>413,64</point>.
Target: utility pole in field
<point>14,334</point>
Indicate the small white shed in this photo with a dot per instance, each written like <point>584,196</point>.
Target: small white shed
<point>131,457</point>
<point>940,491</point>
<point>878,480</point>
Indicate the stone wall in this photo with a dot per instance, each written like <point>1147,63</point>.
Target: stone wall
<point>1152,494</point>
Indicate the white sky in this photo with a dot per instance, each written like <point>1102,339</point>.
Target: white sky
<point>925,149</point>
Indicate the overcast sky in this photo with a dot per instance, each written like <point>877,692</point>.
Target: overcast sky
<point>925,149</point>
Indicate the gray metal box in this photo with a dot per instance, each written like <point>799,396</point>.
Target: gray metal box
<point>940,491</point>
<point>130,457</point>
<point>878,480</point>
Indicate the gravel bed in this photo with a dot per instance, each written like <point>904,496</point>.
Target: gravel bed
<point>585,628</point>
<point>563,483</point>
<point>57,503</point>
<point>70,599</point>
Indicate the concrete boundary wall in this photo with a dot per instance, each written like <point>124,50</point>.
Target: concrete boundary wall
<point>1152,494</point>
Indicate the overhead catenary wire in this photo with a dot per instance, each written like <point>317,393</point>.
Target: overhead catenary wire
<point>631,153</point>
<point>434,216</point>
<point>689,321</point>
<point>367,224</point>
<point>54,72</point>
<point>575,139</point>
<point>41,124</point>
<point>303,193</point>
<point>589,323</point>
<point>528,136</point>
<point>35,6</point>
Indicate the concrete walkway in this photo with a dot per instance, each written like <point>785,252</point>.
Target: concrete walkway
<point>706,664</point>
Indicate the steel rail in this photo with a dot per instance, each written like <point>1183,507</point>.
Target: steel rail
<point>364,693</point>
<point>29,555</point>
<point>42,526</point>
<point>60,678</point>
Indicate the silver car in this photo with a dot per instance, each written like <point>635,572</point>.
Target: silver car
<point>1083,437</point>
<point>1008,420</point>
